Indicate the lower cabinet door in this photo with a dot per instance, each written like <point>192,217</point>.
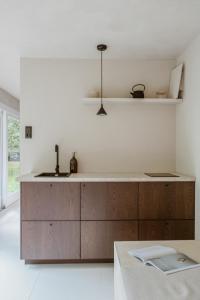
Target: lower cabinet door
<point>166,230</point>
<point>42,240</point>
<point>97,237</point>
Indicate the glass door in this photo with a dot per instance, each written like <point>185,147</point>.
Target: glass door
<point>13,159</point>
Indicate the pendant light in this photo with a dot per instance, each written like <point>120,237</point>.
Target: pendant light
<point>101,111</point>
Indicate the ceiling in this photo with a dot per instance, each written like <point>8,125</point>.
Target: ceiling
<point>135,29</point>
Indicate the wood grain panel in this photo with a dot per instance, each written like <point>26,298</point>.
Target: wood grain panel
<point>109,201</point>
<point>166,200</point>
<point>97,237</point>
<point>50,201</point>
<point>50,240</point>
<point>166,230</point>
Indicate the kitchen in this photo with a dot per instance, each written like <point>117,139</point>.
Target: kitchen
<point>103,144</point>
<point>137,177</point>
<point>78,218</point>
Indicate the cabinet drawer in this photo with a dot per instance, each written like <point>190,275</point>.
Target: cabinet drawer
<point>50,201</point>
<point>50,240</point>
<point>109,201</point>
<point>97,237</point>
<point>166,200</point>
<point>166,230</point>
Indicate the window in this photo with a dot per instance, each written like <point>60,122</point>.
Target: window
<point>13,150</point>
<point>10,158</point>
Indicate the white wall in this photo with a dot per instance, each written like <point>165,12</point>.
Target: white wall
<point>9,102</point>
<point>188,122</point>
<point>130,138</point>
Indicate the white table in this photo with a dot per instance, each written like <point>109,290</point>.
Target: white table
<point>134,281</point>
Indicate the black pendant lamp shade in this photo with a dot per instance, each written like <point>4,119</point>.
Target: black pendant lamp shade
<point>101,111</point>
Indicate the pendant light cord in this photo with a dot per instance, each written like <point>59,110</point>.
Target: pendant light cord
<point>101,111</point>
<point>101,78</point>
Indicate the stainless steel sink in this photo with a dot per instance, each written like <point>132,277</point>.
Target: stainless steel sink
<point>45,174</point>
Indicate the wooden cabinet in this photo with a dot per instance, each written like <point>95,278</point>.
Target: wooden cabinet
<point>97,237</point>
<point>166,210</point>
<point>72,221</point>
<point>50,201</point>
<point>43,240</point>
<point>166,230</point>
<point>166,200</point>
<point>101,204</point>
<point>50,221</point>
<point>109,201</point>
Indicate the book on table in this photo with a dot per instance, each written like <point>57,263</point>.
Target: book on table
<point>165,259</point>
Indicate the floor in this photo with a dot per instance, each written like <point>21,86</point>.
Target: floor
<point>41,282</point>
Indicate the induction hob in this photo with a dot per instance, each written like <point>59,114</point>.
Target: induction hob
<point>161,175</point>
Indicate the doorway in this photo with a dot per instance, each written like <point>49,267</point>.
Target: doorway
<point>10,158</point>
<point>13,159</point>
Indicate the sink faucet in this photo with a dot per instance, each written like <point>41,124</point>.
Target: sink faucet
<point>57,159</point>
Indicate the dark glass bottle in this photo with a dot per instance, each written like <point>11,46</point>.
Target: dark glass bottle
<point>73,164</point>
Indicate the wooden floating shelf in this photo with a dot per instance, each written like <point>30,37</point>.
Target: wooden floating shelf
<point>133,100</point>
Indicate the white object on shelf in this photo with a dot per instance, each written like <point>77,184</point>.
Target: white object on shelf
<point>175,81</point>
<point>133,100</point>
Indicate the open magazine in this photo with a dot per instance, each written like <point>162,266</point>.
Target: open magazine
<point>166,259</point>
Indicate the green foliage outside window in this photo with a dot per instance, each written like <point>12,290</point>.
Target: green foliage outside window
<point>13,154</point>
<point>13,135</point>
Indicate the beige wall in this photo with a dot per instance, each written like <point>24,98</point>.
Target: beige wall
<point>188,122</point>
<point>130,138</point>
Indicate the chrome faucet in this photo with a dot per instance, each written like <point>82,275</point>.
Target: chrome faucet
<point>57,159</point>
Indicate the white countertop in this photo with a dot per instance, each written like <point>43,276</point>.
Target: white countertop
<point>105,177</point>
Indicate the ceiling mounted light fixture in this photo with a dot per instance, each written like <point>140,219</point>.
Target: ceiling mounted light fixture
<point>101,111</point>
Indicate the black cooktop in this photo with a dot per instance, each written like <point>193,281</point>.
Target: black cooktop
<point>161,175</point>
